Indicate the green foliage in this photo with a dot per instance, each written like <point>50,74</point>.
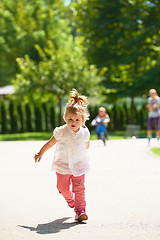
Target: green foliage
<point>116,116</point>
<point>24,24</point>
<point>102,47</point>
<point>13,117</point>
<point>39,54</point>
<point>26,117</point>
<point>42,117</point>
<point>52,117</point>
<point>29,122</point>
<point>46,117</point>
<point>93,111</point>
<point>57,73</point>
<point>20,110</point>
<point>38,118</point>
<point>3,115</point>
<point>121,39</point>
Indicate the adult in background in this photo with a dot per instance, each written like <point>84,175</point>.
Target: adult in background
<point>154,114</point>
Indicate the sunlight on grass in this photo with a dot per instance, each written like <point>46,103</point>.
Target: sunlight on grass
<point>46,136</point>
<point>156,151</point>
<point>31,136</point>
<point>25,136</point>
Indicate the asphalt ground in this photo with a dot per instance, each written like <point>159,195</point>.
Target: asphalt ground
<point>122,194</point>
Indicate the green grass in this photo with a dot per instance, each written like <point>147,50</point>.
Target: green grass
<point>156,151</point>
<point>46,136</point>
<point>25,136</point>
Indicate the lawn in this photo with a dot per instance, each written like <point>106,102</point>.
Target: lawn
<point>156,151</point>
<point>25,136</point>
<point>46,136</point>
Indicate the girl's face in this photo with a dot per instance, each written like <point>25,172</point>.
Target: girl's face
<point>74,121</point>
<point>152,94</point>
<point>101,113</point>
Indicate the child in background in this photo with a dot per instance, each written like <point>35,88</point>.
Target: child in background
<point>100,122</point>
<point>71,160</point>
<point>154,113</point>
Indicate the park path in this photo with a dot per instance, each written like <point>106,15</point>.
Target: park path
<point>122,193</point>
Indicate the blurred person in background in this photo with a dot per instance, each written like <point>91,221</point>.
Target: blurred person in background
<point>100,122</point>
<point>154,114</point>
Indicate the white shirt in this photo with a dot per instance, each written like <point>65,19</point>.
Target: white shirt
<point>155,112</point>
<point>71,156</point>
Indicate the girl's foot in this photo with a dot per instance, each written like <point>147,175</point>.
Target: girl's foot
<point>81,215</point>
<point>71,203</point>
<point>149,140</point>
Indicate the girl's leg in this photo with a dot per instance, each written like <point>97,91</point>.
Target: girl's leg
<point>63,186</point>
<point>80,203</point>
<point>149,129</point>
<point>79,190</point>
<point>157,127</point>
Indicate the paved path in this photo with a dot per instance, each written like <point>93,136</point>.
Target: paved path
<point>122,193</point>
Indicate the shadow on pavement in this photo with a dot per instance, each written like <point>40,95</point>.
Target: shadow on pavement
<point>52,227</point>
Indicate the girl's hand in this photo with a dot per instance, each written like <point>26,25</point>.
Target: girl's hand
<point>46,146</point>
<point>93,122</point>
<point>149,106</point>
<point>87,144</point>
<point>37,157</point>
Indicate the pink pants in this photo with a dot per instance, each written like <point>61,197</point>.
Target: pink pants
<point>63,185</point>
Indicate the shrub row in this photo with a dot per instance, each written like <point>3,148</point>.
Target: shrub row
<point>18,117</point>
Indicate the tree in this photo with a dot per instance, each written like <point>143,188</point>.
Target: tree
<point>119,42</point>
<point>24,24</point>
<point>57,73</point>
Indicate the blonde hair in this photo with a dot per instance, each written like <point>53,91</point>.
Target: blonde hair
<point>153,91</point>
<point>77,104</point>
<point>102,109</point>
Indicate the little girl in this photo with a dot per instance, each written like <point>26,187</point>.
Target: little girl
<point>71,160</point>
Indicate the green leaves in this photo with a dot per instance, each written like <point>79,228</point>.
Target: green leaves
<point>58,72</point>
<point>121,39</point>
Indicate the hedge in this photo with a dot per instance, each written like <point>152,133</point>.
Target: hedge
<point>18,117</point>
<point>26,117</point>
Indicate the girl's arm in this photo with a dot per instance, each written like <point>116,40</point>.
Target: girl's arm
<point>155,106</point>
<point>152,107</point>
<point>46,146</point>
<point>107,119</point>
<point>149,106</point>
<point>87,144</point>
<point>93,122</point>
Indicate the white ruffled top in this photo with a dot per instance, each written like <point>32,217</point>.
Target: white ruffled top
<point>71,156</point>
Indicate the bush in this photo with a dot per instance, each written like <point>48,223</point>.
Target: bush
<point>38,117</point>
<point>52,117</point>
<point>29,124</point>
<point>29,117</point>
<point>21,113</point>
<point>13,117</point>
<point>4,128</point>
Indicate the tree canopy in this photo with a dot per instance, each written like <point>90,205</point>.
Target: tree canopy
<point>121,39</point>
<point>47,46</point>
